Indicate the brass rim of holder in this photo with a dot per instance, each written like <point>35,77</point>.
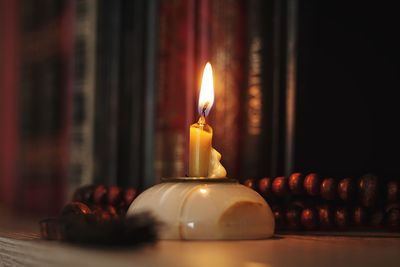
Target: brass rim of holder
<point>198,179</point>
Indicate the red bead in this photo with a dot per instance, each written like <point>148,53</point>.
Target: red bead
<point>130,194</point>
<point>293,221</point>
<point>393,217</point>
<point>309,219</point>
<point>75,209</point>
<point>377,219</point>
<point>250,182</point>
<point>279,214</point>
<point>328,189</point>
<point>325,216</point>
<point>296,181</point>
<point>114,195</point>
<point>393,191</point>
<point>280,186</point>
<point>368,188</point>
<point>346,189</point>
<point>359,216</point>
<point>342,218</point>
<point>312,184</point>
<point>84,194</point>
<point>112,211</point>
<point>100,214</point>
<point>100,195</point>
<point>265,186</point>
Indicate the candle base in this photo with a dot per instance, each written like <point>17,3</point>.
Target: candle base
<point>201,208</point>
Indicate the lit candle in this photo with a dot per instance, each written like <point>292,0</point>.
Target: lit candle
<point>201,132</point>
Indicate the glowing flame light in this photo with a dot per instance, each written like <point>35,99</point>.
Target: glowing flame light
<point>206,98</point>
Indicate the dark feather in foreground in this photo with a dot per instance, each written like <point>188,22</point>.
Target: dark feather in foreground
<point>89,229</point>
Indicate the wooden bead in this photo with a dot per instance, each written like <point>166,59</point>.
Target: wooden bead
<point>359,216</point>
<point>309,219</point>
<point>293,215</point>
<point>114,195</point>
<point>377,219</point>
<point>393,191</point>
<point>78,195</point>
<point>84,194</point>
<point>250,182</point>
<point>342,218</point>
<point>100,195</point>
<point>75,209</point>
<point>280,221</point>
<point>121,210</point>
<point>112,211</point>
<point>346,189</point>
<point>393,217</point>
<point>101,215</point>
<point>368,188</point>
<point>50,229</point>
<point>325,217</point>
<point>312,184</point>
<point>280,186</point>
<point>328,189</point>
<point>105,216</point>
<point>130,194</point>
<point>265,187</point>
<point>296,181</point>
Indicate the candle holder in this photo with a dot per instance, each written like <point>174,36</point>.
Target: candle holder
<point>202,208</point>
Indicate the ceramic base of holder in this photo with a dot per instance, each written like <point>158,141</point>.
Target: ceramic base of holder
<point>193,208</point>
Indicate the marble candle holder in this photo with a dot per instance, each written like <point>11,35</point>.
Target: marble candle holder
<point>196,208</point>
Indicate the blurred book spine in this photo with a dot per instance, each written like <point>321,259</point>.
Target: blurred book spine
<point>175,88</point>
<point>132,93</point>
<point>107,86</point>
<point>9,66</point>
<point>191,34</point>
<point>82,128</point>
<point>114,89</point>
<point>227,57</point>
<point>41,78</point>
<point>256,127</point>
<point>136,93</point>
<point>152,39</point>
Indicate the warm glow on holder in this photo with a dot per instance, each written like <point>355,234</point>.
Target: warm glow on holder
<point>206,98</point>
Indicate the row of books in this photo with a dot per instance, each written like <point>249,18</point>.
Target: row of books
<point>105,91</point>
<point>36,74</point>
<point>242,40</point>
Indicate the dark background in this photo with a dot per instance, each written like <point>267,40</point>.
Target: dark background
<point>348,77</point>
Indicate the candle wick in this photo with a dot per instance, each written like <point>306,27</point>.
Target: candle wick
<point>202,120</point>
<point>204,109</point>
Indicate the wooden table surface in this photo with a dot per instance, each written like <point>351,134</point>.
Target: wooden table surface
<point>24,249</point>
<point>20,246</point>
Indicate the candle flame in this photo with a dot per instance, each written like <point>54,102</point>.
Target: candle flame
<point>206,98</point>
